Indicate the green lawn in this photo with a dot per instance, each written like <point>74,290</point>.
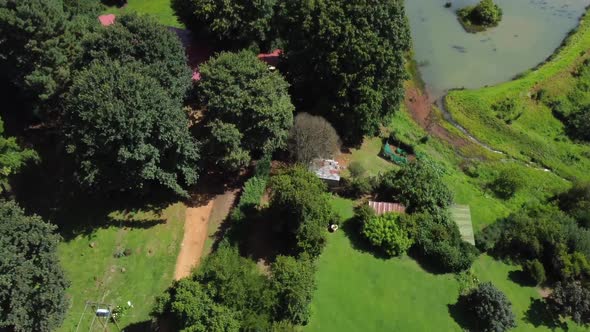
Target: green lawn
<point>368,156</point>
<point>159,8</point>
<point>96,275</point>
<point>358,292</point>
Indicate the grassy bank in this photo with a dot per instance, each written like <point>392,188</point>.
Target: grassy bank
<point>509,117</point>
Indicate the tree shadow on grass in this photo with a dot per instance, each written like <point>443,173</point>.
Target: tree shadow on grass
<point>539,315</point>
<point>521,278</point>
<point>460,314</point>
<point>49,189</point>
<point>144,326</point>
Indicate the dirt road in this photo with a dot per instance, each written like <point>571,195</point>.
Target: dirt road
<point>193,241</point>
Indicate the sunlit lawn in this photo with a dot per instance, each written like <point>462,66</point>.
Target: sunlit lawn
<point>159,8</point>
<point>97,275</point>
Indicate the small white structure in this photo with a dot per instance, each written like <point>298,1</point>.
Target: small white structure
<point>326,169</point>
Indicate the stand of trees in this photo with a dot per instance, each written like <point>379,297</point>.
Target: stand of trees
<point>552,243</point>
<point>487,309</point>
<point>32,283</point>
<point>237,23</point>
<point>428,231</point>
<point>344,59</point>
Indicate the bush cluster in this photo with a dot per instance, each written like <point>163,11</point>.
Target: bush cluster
<point>485,14</point>
<point>487,309</point>
<point>389,233</point>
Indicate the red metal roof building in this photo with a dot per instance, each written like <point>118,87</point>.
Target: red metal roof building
<point>386,207</point>
<point>107,20</point>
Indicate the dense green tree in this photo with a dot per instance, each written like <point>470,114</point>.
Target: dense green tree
<point>576,203</point>
<point>193,310</point>
<point>489,309</point>
<point>346,59</point>
<point>42,45</point>
<point>236,282</point>
<point>570,300</point>
<point>249,110</point>
<point>126,133</point>
<point>387,233</point>
<point>32,283</point>
<point>232,22</point>
<point>293,282</point>
<point>439,244</point>
<point>302,209</point>
<point>419,186</point>
<point>12,158</point>
<point>136,38</point>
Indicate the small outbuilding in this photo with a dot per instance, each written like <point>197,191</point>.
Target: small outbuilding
<point>386,207</point>
<point>106,20</point>
<point>326,169</point>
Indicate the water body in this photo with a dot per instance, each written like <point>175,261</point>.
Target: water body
<point>448,57</point>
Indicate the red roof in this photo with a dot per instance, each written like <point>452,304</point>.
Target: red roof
<point>107,20</point>
<point>272,59</point>
<point>385,207</point>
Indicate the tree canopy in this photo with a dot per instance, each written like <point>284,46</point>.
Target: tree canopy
<point>135,38</point>
<point>293,283</point>
<point>248,108</point>
<point>419,186</point>
<point>32,282</point>
<point>12,158</point>
<point>312,137</point>
<point>345,59</point>
<point>125,131</point>
<point>489,309</point>
<point>42,45</point>
<point>236,22</point>
<point>301,201</point>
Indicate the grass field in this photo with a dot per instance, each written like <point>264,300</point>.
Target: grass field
<point>359,292</point>
<point>159,8</point>
<point>536,135</point>
<point>97,275</point>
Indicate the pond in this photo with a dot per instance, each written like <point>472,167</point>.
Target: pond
<point>448,57</point>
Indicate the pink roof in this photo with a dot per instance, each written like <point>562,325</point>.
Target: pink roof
<point>107,20</point>
<point>384,207</point>
<point>272,59</point>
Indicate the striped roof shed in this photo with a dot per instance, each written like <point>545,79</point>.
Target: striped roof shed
<point>385,207</point>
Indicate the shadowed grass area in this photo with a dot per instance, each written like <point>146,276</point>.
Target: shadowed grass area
<point>161,9</point>
<point>96,274</point>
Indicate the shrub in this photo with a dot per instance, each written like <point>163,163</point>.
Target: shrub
<point>535,270</point>
<point>486,13</point>
<point>356,169</point>
<point>386,233</point>
<point>508,181</point>
<point>489,308</point>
